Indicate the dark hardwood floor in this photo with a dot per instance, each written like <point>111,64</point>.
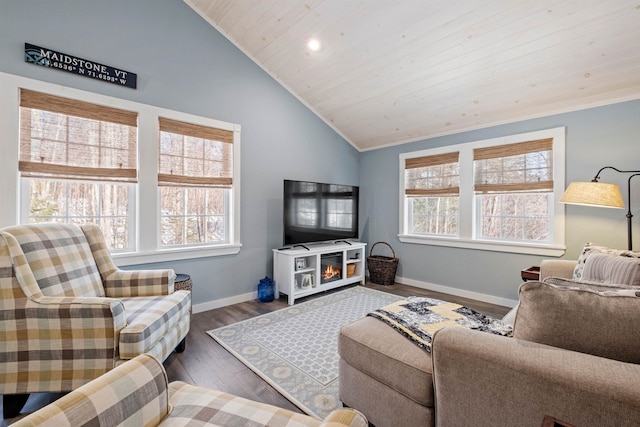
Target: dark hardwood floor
<point>206,363</point>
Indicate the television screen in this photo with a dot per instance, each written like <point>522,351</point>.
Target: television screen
<point>317,212</point>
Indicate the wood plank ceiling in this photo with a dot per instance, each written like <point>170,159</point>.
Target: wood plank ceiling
<point>395,71</point>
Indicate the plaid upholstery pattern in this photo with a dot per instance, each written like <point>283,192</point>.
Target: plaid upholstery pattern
<point>53,343</point>
<point>133,394</point>
<point>59,258</point>
<point>136,394</point>
<point>203,407</point>
<point>59,338</point>
<point>126,283</point>
<point>149,319</point>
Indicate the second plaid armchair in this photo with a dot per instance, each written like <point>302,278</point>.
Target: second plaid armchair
<point>68,314</point>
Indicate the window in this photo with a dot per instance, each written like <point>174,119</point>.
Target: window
<point>79,162</point>
<point>82,157</point>
<point>499,194</point>
<point>514,191</point>
<point>432,191</point>
<point>195,175</point>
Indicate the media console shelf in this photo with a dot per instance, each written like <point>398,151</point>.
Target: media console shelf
<point>299,272</point>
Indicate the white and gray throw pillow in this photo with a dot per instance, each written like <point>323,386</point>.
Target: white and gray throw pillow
<point>612,269</point>
<point>590,249</point>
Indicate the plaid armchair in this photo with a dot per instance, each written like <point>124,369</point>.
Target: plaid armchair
<point>68,314</point>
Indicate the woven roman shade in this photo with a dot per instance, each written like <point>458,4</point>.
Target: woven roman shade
<point>194,155</point>
<point>437,175</point>
<point>520,167</point>
<point>71,139</point>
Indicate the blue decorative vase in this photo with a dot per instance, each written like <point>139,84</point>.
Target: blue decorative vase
<point>266,290</point>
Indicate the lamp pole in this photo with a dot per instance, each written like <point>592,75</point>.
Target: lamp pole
<point>629,214</point>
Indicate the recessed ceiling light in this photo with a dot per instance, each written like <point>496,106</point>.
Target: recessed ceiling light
<point>314,44</point>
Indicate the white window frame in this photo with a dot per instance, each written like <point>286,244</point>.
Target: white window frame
<point>24,207</point>
<point>467,222</point>
<point>148,249</point>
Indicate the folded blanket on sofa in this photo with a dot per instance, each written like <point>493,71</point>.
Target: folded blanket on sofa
<point>418,318</point>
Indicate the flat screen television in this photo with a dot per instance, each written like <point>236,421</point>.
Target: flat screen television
<point>318,212</point>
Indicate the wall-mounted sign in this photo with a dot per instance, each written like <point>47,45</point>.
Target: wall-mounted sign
<point>83,67</point>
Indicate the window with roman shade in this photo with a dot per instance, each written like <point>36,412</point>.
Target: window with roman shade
<point>432,186</point>
<point>85,158</point>
<point>519,167</point>
<point>195,174</point>
<point>495,194</point>
<point>512,183</point>
<point>436,175</point>
<point>79,160</point>
<point>66,138</point>
<point>194,155</point>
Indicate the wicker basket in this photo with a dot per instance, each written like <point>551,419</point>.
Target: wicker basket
<point>351,269</point>
<point>382,269</point>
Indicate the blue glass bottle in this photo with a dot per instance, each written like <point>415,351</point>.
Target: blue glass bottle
<point>265,290</point>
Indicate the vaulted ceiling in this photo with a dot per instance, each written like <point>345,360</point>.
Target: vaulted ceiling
<point>395,71</point>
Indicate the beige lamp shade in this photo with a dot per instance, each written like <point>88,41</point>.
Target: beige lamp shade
<point>593,194</point>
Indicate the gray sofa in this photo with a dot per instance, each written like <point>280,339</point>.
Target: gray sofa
<point>574,357</point>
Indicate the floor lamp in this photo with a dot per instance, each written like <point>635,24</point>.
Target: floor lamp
<point>602,195</point>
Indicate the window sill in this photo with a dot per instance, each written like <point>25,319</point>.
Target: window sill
<point>486,245</point>
<point>174,254</point>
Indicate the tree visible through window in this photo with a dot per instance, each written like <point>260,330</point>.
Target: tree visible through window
<point>514,189</point>
<point>195,176</point>
<point>86,158</point>
<point>79,160</point>
<point>431,190</point>
<point>499,193</point>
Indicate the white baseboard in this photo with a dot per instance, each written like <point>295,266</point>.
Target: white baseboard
<point>223,302</point>
<point>505,302</point>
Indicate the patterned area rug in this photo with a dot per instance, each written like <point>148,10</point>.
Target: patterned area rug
<point>295,349</point>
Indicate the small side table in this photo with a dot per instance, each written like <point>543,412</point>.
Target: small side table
<point>530,273</point>
<point>182,282</point>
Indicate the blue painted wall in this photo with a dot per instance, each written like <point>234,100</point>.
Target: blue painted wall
<point>596,137</point>
<point>183,64</point>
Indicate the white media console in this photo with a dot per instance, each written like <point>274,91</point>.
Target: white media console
<point>299,272</point>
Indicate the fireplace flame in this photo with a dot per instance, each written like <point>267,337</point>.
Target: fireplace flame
<point>330,272</point>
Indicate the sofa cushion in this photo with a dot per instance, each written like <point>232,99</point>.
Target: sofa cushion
<point>589,286</point>
<point>580,320</point>
<point>612,269</point>
<point>149,319</point>
<point>376,349</point>
<point>590,249</point>
<point>510,317</point>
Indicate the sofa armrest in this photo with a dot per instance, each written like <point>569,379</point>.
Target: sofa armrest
<point>125,283</point>
<point>139,283</point>
<point>487,380</point>
<point>77,337</point>
<point>557,268</point>
<point>134,393</point>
